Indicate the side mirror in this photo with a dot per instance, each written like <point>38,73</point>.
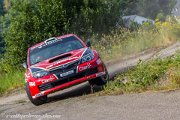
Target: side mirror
<point>88,43</point>
<point>25,65</point>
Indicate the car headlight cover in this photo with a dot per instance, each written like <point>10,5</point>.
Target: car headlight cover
<point>40,73</point>
<point>87,56</point>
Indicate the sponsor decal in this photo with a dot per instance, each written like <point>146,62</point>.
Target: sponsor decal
<point>47,80</point>
<point>32,84</point>
<point>67,73</point>
<point>85,67</point>
<point>27,76</point>
<point>100,74</point>
<point>48,42</point>
<point>99,61</point>
<point>38,95</point>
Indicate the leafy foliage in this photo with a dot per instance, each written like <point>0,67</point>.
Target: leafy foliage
<point>1,41</point>
<point>30,21</point>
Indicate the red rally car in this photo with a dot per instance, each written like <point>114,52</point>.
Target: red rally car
<point>61,62</point>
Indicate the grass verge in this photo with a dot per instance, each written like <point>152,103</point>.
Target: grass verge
<point>11,81</point>
<point>155,75</point>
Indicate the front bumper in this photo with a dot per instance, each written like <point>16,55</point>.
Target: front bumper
<point>97,69</point>
<point>68,84</point>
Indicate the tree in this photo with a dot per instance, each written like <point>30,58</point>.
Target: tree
<point>1,41</point>
<point>30,21</point>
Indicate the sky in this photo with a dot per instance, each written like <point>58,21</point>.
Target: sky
<point>176,10</point>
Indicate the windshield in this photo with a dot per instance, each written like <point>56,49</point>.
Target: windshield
<point>52,49</point>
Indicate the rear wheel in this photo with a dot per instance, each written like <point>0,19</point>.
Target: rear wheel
<point>38,101</point>
<point>100,81</point>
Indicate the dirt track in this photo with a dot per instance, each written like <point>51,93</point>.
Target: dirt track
<point>73,104</point>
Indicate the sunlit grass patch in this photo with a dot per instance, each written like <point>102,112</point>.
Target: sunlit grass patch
<point>156,74</point>
<point>11,81</point>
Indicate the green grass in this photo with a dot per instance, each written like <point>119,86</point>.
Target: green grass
<point>11,81</point>
<point>154,75</point>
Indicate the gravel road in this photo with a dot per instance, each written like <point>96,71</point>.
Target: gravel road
<point>77,103</point>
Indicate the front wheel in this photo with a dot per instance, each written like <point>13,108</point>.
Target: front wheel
<point>100,81</point>
<point>38,101</point>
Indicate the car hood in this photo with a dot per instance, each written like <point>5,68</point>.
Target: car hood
<point>59,60</point>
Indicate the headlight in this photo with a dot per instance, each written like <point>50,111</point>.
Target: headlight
<point>40,74</point>
<point>87,56</point>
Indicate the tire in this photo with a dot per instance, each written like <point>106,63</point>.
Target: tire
<point>38,101</point>
<point>100,81</point>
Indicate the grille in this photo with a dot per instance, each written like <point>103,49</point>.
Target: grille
<point>64,68</point>
<point>47,86</point>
